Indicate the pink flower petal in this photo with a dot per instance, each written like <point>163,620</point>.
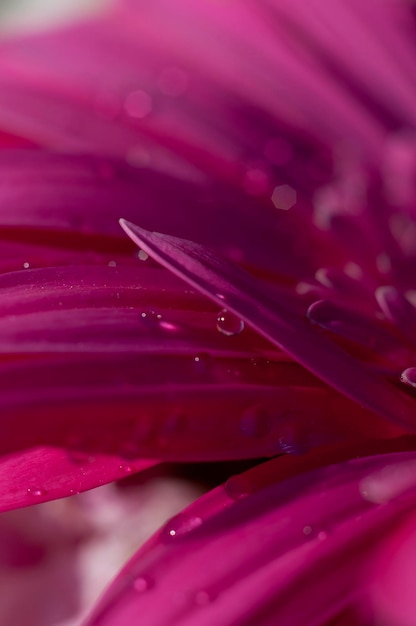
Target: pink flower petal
<point>134,347</point>
<point>392,592</point>
<point>296,553</point>
<point>269,312</point>
<point>73,203</point>
<point>39,474</point>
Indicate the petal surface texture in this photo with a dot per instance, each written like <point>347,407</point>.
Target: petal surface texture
<point>295,552</point>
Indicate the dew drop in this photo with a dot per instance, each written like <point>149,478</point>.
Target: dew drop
<point>202,363</point>
<point>388,483</point>
<point>408,376</point>
<point>143,583</point>
<point>229,324</point>
<point>256,422</point>
<point>112,264</point>
<point>180,525</point>
<point>313,533</point>
<point>37,492</point>
<point>126,469</point>
<point>143,256</point>
<point>284,197</point>
<point>26,265</point>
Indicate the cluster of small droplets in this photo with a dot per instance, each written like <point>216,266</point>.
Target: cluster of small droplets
<point>37,492</point>
<point>151,316</point>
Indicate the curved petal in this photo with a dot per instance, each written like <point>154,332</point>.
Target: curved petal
<point>41,474</point>
<point>294,552</point>
<point>274,315</point>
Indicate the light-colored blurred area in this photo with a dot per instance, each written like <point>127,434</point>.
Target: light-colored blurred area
<point>57,558</point>
<point>33,15</point>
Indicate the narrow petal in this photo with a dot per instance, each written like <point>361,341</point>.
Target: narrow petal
<point>269,312</point>
<point>40,474</point>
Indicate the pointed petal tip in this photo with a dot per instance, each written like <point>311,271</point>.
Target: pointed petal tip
<point>136,233</point>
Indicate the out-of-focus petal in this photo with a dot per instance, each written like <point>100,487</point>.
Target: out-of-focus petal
<point>392,593</point>
<point>274,314</point>
<point>295,552</point>
<point>73,203</point>
<point>37,475</point>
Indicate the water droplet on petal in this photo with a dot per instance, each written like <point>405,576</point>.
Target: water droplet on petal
<point>229,324</point>
<point>151,317</point>
<point>37,492</point>
<point>143,583</point>
<point>388,483</point>
<point>256,422</point>
<point>284,197</point>
<point>408,376</point>
<point>26,265</point>
<point>202,363</point>
<point>143,256</point>
<point>181,525</point>
<point>307,530</point>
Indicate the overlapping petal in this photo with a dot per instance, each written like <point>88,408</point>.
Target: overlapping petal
<point>281,136</point>
<point>274,314</point>
<point>259,556</point>
<point>132,363</point>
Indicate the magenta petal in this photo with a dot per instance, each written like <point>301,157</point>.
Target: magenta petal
<point>392,592</point>
<point>294,553</point>
<point>73,203</point>
<point>116,345</point>
<point>275,317</point>
<point>39,474</point>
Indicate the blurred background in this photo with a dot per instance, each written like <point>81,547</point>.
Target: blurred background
<point>30,15</point>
